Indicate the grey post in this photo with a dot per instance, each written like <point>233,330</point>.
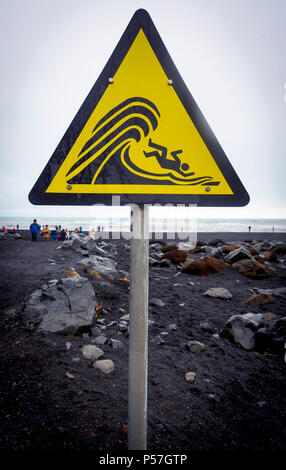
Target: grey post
<point>138,330</point>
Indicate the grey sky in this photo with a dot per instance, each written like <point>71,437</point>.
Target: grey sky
<point>230,54</point>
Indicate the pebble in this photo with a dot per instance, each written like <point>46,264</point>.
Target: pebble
<point>157,303</point>
<point>157,340</point>
<point>68,345</point>
<point>69,375</point>
<point>125,317</point>
<point>100,340</point>
<point>190,376</point>
<point>105,365</point>
<point>116,343</point>
<point>195,346</point>
<point>91,352</point>
<point>173,327</point>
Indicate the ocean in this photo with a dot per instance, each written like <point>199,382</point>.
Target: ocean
<point>156,224</point>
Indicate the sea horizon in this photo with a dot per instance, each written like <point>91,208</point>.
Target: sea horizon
<point>165,224</point>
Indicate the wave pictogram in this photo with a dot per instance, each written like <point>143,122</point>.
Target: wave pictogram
<point>114,136</point>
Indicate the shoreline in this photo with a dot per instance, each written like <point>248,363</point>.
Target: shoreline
<point>201,236</point>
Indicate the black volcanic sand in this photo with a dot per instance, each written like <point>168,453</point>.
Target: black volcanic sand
<point>236,403</point>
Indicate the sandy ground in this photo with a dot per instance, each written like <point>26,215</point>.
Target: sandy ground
<point>236,403</point>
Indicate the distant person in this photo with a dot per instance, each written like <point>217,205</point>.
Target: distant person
<point>54,234</point>
<point>4,229</point>
<point>249,228</point>
<point>80,229</point>
<point>34,229</point>
<point>98,228</point>
<point>46,233</point>
<point>67,234</point>
<point>62,235</point>
<point>272,229</point>
<point>60,227</point>
<point>17,226</point>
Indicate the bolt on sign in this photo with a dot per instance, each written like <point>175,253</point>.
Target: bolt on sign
<point>140,135</point>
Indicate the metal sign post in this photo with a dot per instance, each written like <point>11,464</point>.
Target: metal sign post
<point>138,330</point>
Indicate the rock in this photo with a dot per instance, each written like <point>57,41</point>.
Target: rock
<point>278,291</point>
<point>155,246</point>
<point>157,303</point>
<point>269,256</point>
<point>204,266</point>
<point>253,320</point>
<point>206,326</point>
<point>88,244</point>
<point>260,299</point>
<point>253,269</point>
<point>238,331</point>
<point>69,375</point>
<point>167,248</point>
<point>251,250</point>
<point>219,292</point>
<point>125,317</point>
<point>176,256</point>
<point>105,365</point>
<point>217,253</point>
<point>74,243</point>
<point>186,246</point>
<point>91,352</point>
<point>272,337</point>
<point>123,327</point>
<point>190,376</point>
<point>216,242</point>
<point>229,248</point>
<point>195,346</point>
<point>165,263</point>
<point>280,249</point>
<point>207,249</point>
<point>157,340</point>
<point>237,255</point>
<point>116,343</point>
<point>153,262</point>
<point>62,306</point>
<point>269,317</point>
<point>100,340</point>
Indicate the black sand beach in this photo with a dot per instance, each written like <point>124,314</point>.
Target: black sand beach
<point>236,402</point>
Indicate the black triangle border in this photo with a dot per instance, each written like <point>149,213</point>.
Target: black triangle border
<point>140,19</point>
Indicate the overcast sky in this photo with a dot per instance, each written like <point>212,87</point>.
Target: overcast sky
<point>231,54</point>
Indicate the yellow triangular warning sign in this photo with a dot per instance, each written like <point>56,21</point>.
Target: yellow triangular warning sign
<point>139,134</point>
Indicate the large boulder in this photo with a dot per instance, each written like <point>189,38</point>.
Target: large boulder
<point>62,306</point>
<point>241,329</point>
<point>100,267</point>
<point>272,337</point>
<point>253,269</point>
<point>237,255</point>
<point>88,243</point>
<point>204,266</point>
